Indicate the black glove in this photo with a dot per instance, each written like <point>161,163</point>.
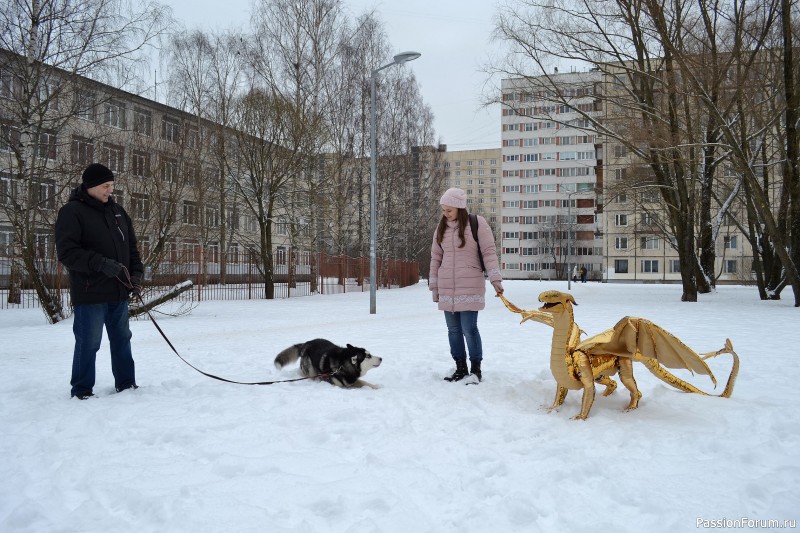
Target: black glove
<point>110,268</point>
<point>136,289</point>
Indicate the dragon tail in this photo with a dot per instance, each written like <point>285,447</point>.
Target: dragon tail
<point>661,373</point>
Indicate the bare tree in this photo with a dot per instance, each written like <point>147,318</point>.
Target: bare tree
<point>670,99</point>
<point>749,31</point>
<point>49,48</point>
<point>273,138</point>
<point>206,78</point>
<point>410,180</point>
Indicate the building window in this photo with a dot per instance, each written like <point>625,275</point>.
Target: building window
<point>213,252</point>
<point>140,206</point>
<point>169,170</point>
<point>621,243</point>
<point>82,151</point>
<point>9,138</point>
<point>6,240</point>
<point>191,213</point>
<point>620,151</point>
<point>85,105</point>
<point>47,92</point>
<point>46,145</point>
<point>168,210</point>
<point>621,219</point>
<point>45,194</point>
<point>192,174</point>
<point>649,196</point>
<point>143,122</point>
<point>119,195</point>
<point>649,219</point>
<point>730,242</point>
<point>621,266</point>
<point>233,253</point>
<point>191,250</point>
<point>674,266</point>
<point>9,86</point>
<point>114,157</point>
<point>730,266</point>
<point>43,243</point>
<point>649,266</point>
<point>170,129</point>
<point>212,217</point>
<point>193,137</point>
<point>649,243</point>
<point>114,114</point>
<point>7,190</point>
<point>140,164</point>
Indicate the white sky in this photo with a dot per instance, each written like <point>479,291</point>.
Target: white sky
<point>452,36</point>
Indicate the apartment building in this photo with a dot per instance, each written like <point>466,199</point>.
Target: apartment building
<point>573,197</point>
<point>478,173</point>
<point>639,242</point>
<point>166,162</point>
<point>551,177</point>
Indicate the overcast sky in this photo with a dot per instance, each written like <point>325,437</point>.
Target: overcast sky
<point>452,36</point>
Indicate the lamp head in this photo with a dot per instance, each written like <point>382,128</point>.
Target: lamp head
<point>404,57</point>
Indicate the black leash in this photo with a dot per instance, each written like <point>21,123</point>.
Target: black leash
<point>129,284</point>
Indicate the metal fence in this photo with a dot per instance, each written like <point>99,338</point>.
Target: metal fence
<point>293,275</point>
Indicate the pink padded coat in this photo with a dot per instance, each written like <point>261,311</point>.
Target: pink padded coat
<point>456,272</point>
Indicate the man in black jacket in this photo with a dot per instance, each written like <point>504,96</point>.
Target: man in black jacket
<point>96,242</point>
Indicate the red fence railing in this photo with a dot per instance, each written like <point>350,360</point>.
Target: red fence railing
<point>293,275</point>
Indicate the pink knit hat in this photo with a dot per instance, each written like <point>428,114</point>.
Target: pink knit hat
<point>454,197</point>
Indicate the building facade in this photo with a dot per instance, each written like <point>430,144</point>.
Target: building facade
<point>478,173</point>
<point>574,197</point>
<point>551,178</point>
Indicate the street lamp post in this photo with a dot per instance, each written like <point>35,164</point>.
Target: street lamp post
<point>569,238</point>
<point>399,59</point>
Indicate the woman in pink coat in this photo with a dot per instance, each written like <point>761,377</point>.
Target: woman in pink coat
<point>457,281</point>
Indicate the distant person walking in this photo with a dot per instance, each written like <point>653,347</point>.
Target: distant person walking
<point>575,274</point>
<point>583,274</point>
<point>457,281</point>
<point>96,242</point>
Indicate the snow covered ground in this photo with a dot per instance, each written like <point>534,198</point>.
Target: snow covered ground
<point>186,453</point>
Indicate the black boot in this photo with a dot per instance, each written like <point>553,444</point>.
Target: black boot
<point>476,369</point>
<point>461,371</point>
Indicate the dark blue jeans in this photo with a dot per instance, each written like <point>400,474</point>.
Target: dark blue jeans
<point>88,329</point>
<point>464,325</point>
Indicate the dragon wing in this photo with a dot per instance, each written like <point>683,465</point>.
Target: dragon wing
<point>635,337</point>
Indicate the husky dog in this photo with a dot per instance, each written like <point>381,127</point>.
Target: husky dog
<point>341,366</point>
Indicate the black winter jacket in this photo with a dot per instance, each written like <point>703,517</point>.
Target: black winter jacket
<point>86,232</point>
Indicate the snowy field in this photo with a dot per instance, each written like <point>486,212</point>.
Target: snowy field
<point>185,453</point>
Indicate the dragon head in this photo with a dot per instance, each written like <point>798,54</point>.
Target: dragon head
<point>553,299</point>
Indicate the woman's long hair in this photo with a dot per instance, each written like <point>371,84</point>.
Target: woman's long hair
<point>463,220</point>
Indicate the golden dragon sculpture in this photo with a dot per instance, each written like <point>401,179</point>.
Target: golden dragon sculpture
<point>577,364</point>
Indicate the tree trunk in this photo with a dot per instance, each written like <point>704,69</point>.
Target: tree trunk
<point>141,308</point>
